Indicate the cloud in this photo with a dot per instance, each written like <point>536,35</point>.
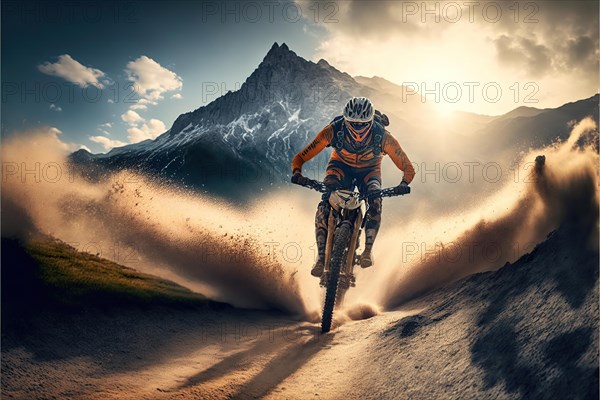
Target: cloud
<point>372,19</point>
<point>151,80</point>
<point>552,44</point>
<point>132,118</point>
<point>73,71</point>
<point>147,101</point>
<point>559,38</point>
<point>56,108</point>
<point>177,96</point>
<point>150,130</point>
<point>581,48</point>
<point>106,142</point>
<point>524,53</point>
<point>84,147</point>
<point>139,129</point>
<point>103,128</point>
<point>55,136</point>
<point>142,104</point>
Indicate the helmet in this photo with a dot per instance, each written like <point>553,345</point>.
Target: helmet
<point>359,109</point>
<point>358,115</point>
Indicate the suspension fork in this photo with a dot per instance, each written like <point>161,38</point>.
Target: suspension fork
<point>350,259</point>
<point>331,224</point>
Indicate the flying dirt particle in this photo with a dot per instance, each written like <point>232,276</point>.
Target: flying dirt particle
<point>117,209</point>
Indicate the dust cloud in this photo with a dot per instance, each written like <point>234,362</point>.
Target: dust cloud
<point>259,255</point>
<point>562,188</point>
<point>226,253</point>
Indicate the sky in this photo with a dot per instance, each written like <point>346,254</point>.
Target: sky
<point>111,73</point>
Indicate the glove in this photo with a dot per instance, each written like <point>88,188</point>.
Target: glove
<point>402,188</point>
<point>298,179</point>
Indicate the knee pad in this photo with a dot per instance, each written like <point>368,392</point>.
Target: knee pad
<point>373,185</point>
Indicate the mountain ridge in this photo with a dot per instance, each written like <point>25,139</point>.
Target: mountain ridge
<point>244,140</point>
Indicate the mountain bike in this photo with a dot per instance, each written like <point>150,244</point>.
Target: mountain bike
<point>344,226</point>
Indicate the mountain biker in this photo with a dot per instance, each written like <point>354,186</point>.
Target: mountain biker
<point>359,141</point>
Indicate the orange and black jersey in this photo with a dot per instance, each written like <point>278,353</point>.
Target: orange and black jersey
<point>364,159</point>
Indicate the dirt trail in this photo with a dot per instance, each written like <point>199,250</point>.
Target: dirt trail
<point>526,331</point>
<point>166,355</point>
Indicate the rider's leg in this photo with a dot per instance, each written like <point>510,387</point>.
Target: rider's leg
<point>372,224</point>
<point>372,218</point>
<point>334,179</point>
<point>321,218</point>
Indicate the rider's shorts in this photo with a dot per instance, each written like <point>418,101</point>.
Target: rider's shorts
<point>340,175</point>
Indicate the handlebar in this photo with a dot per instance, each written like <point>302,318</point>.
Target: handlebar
<point>316,185</point>
<point>389,192</point>
<point>321,188</point>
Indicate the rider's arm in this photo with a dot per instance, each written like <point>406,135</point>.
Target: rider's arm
<point>321,141</point>
<point>392,148</point>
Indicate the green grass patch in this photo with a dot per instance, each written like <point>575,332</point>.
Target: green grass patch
<point>56,272</point>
